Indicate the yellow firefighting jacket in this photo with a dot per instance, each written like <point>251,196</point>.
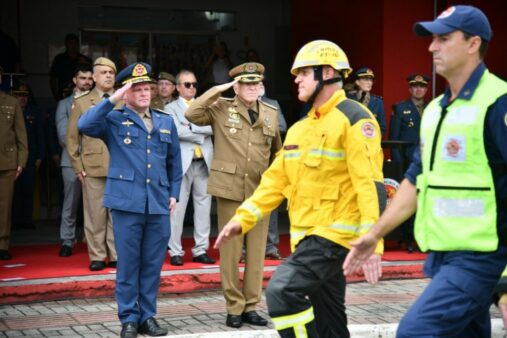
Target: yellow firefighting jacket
<point>330,171</point>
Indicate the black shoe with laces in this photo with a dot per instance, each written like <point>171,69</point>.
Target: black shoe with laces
<point>151,328</point>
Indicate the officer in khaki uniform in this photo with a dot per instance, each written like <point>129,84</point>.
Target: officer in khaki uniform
<point>166,85</point>
<point>246,139</point>
<point>13,157</point>
<point>90,159</point>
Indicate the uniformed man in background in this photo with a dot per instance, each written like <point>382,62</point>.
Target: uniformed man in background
<point>405,123</point>
<point>22,203</point>
<point>406,118</point>
<point>13,157</point>
<point>166,86</point>
<point>90,158</point>
<point>362,93</point>
<point>143,186</point>
<point>246,139</point>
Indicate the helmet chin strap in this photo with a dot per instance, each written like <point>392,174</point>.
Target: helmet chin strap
<point>317,75</point>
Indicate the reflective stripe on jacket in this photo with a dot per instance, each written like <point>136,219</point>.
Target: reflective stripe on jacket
<point>330,171</point>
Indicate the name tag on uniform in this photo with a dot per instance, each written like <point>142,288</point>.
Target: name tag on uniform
<point>406,112</point>
<point>165,131</point>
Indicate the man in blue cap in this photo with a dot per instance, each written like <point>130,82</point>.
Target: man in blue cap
<point>458,183</point>
<point>142,188</point>
<point>362,93</point>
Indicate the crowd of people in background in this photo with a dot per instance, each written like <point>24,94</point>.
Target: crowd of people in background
<point>73,75</point>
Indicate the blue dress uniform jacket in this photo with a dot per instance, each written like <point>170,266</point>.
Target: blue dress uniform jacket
<point>137,178</point>
<point>405,124</point>
<point>144,173</point>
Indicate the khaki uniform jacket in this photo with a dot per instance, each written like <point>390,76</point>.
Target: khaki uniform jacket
<point>86,153</point>
<point>13,140</point>
<point>158,103</point>
<point>242,151</point>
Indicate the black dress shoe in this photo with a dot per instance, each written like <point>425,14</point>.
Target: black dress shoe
<point>275,256</point>
<point>151,328</point>
<point>5,255</point>
<point>97,265</point>
<point>251,317</point>
<point>129,330</point>
<point>65,251</point>
<point>177,260</point>
<point>112,264</point>
<point>205,259</point>
<point>234,321</point>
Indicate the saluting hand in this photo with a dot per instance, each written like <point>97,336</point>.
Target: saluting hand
<point>362,249</point>
<point>223,87</point>
<point>230,230</point>
<point>118,95</point>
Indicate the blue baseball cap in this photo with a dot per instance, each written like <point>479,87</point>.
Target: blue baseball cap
<point>467,19</point>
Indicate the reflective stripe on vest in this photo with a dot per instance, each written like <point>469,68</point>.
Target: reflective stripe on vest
<point>456,193</point>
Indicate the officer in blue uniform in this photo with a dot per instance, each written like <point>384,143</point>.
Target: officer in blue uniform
<point>362,93</point>
<point>142,188</point>
<point>406,118</point>
<point>22,203</point>
<point>405,123</point>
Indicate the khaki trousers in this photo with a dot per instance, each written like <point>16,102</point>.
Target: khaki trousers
<point>239,300</point>
<point>98,226</point>
<point>7,178</point>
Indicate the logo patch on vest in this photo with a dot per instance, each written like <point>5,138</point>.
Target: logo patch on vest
<point>368,129</point>
<point>454,148</point>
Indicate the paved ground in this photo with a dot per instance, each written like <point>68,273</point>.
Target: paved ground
<point>372,311</point>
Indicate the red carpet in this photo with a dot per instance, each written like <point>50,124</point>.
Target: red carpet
<point>35,262</point>
<point>42,261</point>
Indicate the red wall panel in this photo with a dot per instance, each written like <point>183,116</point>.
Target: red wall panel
<point>379,34</point>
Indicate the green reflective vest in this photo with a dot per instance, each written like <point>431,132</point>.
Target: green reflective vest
<point>456,205</point>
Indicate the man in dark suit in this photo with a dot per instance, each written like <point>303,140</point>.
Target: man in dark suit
<point>143,185</point>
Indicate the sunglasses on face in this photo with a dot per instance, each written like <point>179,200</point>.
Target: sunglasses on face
<point>189,85</point>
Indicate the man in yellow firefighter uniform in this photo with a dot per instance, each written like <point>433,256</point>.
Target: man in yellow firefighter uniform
<point>330,171</point>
